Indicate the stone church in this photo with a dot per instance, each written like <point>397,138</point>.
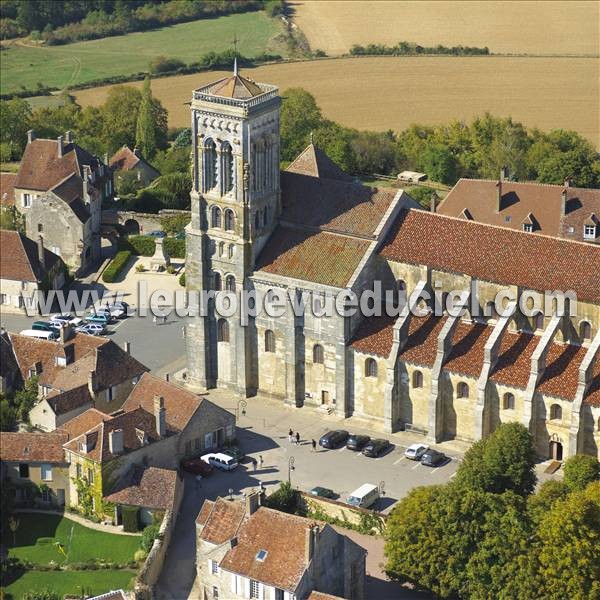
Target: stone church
<point>313,228</point>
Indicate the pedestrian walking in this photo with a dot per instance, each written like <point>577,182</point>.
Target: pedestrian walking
<point>164,319</point>
<point>290,436</point>
<point>254,463</point>
<point>154,320</point>
<point>260,461</point>
<point>297,438</point>
<point>314,445</point>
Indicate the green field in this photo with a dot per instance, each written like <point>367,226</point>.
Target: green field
<point>69,582</point>
<point>23,67</point>
<point>37,535</point>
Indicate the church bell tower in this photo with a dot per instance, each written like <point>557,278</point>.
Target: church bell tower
<point>235,202</point>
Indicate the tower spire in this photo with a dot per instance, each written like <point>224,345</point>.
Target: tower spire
<point>235,69</point>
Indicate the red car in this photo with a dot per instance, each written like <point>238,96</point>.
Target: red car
<point>196,466</point>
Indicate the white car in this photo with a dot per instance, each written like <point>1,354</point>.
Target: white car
<point>91,329</point>
<point>118,310</point>
<point>220,461</point>
<point>62,319</point>
<point>415,451</point>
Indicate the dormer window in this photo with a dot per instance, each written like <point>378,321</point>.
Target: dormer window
<point>527,227</point>
<point>261,555</point>
<point>589,232</point>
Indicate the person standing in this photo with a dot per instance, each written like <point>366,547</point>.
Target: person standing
<point>254,463</point>
<point>297,438</point>
<point>290,436</point>
<point>314,445</point>
<point>260,461</point>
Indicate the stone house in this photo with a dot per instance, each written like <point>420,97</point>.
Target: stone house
<point>36,465</point>
<point>245,550</point>
<point>556,210</point>
<point>127,160</point>
<point>312,232</point>
<point>59,189</point>
<point>158,425</point>
<point>26,268</point>
<point>76,373</point>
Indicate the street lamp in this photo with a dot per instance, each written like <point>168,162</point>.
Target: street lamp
<point>291,467</point>
<point>243,404</point>
<point>382,488</point>
<point>230,493</point>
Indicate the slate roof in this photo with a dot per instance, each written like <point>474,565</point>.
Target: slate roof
<point>151,488</point>
<point>494,253</point>
<point>32,447</point>
<point>19,258</point>
<point>314,162</point>
<point>70,189</point>
<point>7,189</point>
<point>519,200</point>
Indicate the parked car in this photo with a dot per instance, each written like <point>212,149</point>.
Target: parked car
<point>415,451</point>
<point>323,492</point>
<point>333,439</point>
<point>234,452</point>
<point>366,495</point>
<point>118,310</point>
<point>220,461</point>
<point>40,335</point>
<point>357,442</point>
<point>157,234</point>
<point>64,318</point>
<point>100,318</point>
<point>376,448</point>
<point>43,326</point>
<point>91,328</point>
<point>433,458</point>
<point>196,466</point>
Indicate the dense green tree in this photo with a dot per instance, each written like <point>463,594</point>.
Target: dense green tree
<point>299,116</point>
<point>336,142</point>
<point>579,471</point>
<point>50,122</point>
<point>15,118</point>
<point>539,504</point>
<point>119,114</point>
<point>8,417</point>
<point>145,136</point>
<point>173,160</point>
<point>439,163</point>
<point>26,398</point>
<point>374,152</point>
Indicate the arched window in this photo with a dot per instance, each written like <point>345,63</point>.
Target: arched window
<point>222,330</point>
<point>538,321</point>
<point>370,367</point>
<point>210,165</point>
<point>508,401</point>
<point>215,216</point>
<point>221,248</point>
<point>230,283</point>
<point>269,341</point>
<point>585,331</point>
<point>218,281</point>
<point>462,390</point>
<point>417,379</point>
<point>555,412</point>
<point>401,285</point>
<point>230,250</point>
<point>318,354</point>
<point>229,219</point>
<point>226,167</point>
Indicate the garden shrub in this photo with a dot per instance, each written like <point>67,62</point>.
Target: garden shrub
<point>149,534</point>
<point>182,280</point>
<point>129,515</point>
<point>116,266</point>
<point>175,248</point>
<point>142,245</point>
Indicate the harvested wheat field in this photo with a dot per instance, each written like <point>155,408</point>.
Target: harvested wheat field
<point>524,27</point>
<point>392,92</point>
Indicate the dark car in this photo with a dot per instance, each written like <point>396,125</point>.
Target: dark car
<point>156,234</point>
<point>196,466</point>
<point>333,439</point>
<point>323,492</point>
<point>43,326</point>
<point>375,448</point>
<point>357,442</point>
<point>234,452</point>
<point>433,458</point>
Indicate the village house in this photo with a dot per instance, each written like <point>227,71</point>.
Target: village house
<point>7,189</point>
<point>126,160</point>
<point>36,467</point>
<point>245,550</point>
<point>59,189</point>
<point>75,373</point>
<point>26,268</point>
<point>556,210</point>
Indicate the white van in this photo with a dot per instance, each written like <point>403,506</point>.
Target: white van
<point>220,461</point>
<point>49,336</point>
<point>366,495</point>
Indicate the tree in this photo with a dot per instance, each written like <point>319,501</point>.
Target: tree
<point>146,126</point>
<point>120,117</point>
<point>15,117</point>
<point>336,142</point>
<point>580,470</point>
<point>567,550</point>
<point>26,398</point>
<point>8,417</point>
<point>46,594</point>
<point>439,163</point>
<point>374,152</point>
<point>299,116</point>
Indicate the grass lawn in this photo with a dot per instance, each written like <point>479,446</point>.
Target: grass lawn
<point>38,533</point>
<point>69,582</point>
<point>63,66</point>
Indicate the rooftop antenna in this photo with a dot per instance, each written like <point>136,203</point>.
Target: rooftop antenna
<point>235,67</point>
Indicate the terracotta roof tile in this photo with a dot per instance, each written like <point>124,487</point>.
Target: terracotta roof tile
<point>321,257</point>
<point>84,422</point>
<point>19,259</point>
<point>235,86</point>
<point>593,393</point>
<point>561,375</point>
<point>514,359</point>
<point>322,596</point>
<point>544,201</point>
<point>151,488</point>
<point>70,189</point>
<point>375,335</point>
<point>7,189</point>
<point>494,253</point>
<point>314,162</point>
<point>204,512</point>
<point>223,521</point>
<point>33,447</point>
<point>466,356</point>
<point>421,345</point>
<point>126,159</point>
<point>64,402</point>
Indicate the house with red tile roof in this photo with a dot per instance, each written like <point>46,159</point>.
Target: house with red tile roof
<point>245,550</point>
<point>126,160</point>
<point>59,190</point>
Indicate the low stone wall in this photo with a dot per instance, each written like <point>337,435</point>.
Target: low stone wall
<point>361,519</point>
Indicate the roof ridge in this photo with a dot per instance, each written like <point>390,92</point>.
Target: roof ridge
<point>527,182</point>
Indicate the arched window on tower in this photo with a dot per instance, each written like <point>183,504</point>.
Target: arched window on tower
<point>462,390</point>
<point>215,217</point>
<point>229,219</point>
<point>318,354</point>
<point>555,412</point>
<point>227,172</point>
<point>417,379</point>
<point>370,367</point>
<point>269,341</point>
<point>209,164</point>
<point>230,250</point>
<point>222,330</point>
<point>538,321</point>
<point>230,283</point>
<point>585,331</point>
<point>508,401</point>
<point>218,281</point>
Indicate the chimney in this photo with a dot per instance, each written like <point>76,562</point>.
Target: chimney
<point>86,178</point>
<point>61,146</point>
<point>127,347</point>
<point>568,182</point>
<point>137,152</point>
<point>167,377</point>
<point>30,136</point>
<point>68,137</point>
<point>499,196</point>
<point>312,534</point>
<point>66,332</point>
<point>115,441</point>
<point>41,253</point>
<point>433,203</point>
<point>92,382</point>
<point>160,416</point>
<point>252,502</point>
<point>563,202</point>
<point>504,173</point>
